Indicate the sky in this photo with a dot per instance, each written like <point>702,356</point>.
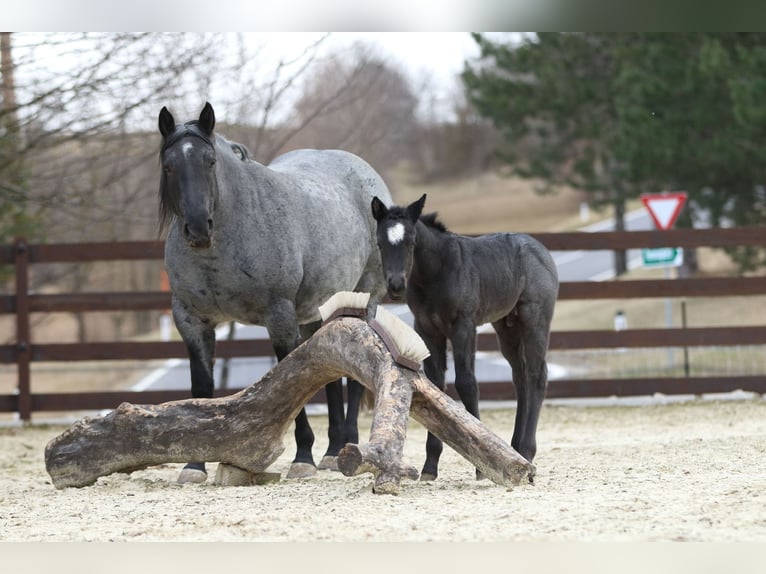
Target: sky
<point>431,60</point>
<point>438,56</point>
<point>283,15</point>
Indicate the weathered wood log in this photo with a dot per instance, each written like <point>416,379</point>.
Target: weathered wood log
<point>246,429</point>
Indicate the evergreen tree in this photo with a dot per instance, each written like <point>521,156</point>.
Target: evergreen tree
<point>621,114</point>
<point>692,117</point>
<point>552,98</point>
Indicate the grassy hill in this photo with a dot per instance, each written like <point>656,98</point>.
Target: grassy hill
<point>489,202</point>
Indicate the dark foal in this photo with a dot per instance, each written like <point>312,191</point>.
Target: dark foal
<point>453,284</point>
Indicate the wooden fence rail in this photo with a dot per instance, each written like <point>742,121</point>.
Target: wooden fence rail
<point>23,352</point>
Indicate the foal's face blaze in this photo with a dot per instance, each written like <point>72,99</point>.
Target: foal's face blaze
<point>396,235</point>
<point>189,167</point>
<point>396,244</point>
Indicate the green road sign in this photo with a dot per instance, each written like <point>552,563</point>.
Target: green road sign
<point>662,256</point>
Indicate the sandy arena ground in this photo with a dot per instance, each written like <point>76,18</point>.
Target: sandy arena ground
<point>666,472</point>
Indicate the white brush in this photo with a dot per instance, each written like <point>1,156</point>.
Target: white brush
<point>345,303</point>
<point>404,344</point>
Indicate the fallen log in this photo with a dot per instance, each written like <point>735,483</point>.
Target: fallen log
<point>246,429</point>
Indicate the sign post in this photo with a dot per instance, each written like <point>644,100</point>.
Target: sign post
<point>664,209</point>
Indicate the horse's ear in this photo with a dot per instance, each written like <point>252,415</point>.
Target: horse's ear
<point>379,209</point>
<point>166,122</point>
<point>415,208</point>
<point>207,119</point>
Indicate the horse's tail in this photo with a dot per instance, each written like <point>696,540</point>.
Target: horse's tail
<point>367,402</point>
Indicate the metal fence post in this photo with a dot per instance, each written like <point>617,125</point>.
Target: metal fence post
<point>23,338</point>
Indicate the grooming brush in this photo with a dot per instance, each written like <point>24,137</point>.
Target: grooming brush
<point>346,304</point>
<point>404,344</point>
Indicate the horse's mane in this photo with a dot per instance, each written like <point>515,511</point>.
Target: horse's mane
<point>240,150</point>
<point>430,219</point>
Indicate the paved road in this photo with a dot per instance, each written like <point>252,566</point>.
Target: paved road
<point>572,266</point>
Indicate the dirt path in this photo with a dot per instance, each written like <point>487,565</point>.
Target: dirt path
<point>693,471</point>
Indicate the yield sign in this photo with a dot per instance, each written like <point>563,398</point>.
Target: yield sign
<point>664,207</point>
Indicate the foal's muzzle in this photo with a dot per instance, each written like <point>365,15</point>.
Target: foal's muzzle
<point>396,287</point>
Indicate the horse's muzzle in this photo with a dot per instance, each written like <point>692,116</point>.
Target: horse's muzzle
<point>198,239</point>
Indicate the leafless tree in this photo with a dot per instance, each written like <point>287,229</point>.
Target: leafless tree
<point>357,101</point>
<point>78,142</point>
<point>456,146</point>
<point>76,107</point>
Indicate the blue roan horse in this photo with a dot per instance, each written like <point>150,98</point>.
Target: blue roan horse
<point>264,245</point>
<point>453,284</point>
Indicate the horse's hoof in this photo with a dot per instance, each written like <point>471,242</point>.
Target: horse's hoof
<point>192,476</point>
<point>427,477</point>
<point>229,475</point>
<point>328,463</point>
<point>301,470</point>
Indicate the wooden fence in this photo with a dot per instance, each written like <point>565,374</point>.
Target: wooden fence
<point>23,352</point>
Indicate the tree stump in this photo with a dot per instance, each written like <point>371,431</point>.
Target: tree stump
<point>246,429</point>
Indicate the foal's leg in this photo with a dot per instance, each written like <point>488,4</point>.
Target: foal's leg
<point>199,337</point>
<point>464,350</point>
<point>434,367</point>
<point>523,339</point>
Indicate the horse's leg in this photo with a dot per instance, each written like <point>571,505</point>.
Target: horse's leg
<point>341,429</point>
<point>358,395</point>
<point>335,412</point>
<point>463,339</point>
<point>336,434</point>
<point>199,337</point>
<point>434,367</point>
<point>355,391</point>
<point>282,325</point>
<point>523,340</point>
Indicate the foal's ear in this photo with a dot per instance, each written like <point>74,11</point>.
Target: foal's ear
<point>379,209</point>
<point>166,122</point>
<point>415,208</point>
<point>207,119</point>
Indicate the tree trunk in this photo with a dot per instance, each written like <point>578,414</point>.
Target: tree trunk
<point>9,115</point>
<point>246,429</point>
<point>620,256</point>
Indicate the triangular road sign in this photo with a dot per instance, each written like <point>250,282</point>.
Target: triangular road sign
<point>664,207</point>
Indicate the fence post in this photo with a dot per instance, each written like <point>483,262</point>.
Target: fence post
<point>23,338</point>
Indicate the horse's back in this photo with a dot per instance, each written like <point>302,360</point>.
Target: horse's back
<point>334,166</point>
<point>335,188</point>
<point>299,229</point>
